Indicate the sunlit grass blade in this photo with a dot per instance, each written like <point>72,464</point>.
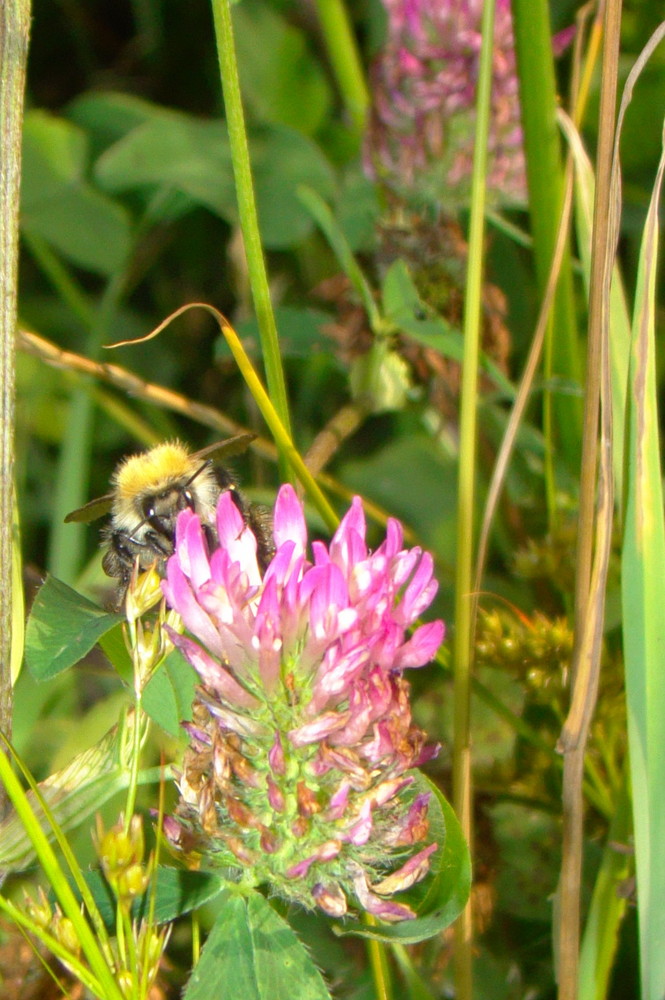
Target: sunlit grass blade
<point>94,945</point>
<point>643,570</point>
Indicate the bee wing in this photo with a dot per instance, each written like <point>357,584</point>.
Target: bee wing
<point>92,510</point>
<point>226,449</point>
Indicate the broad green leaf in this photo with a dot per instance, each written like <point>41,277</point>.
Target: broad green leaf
<point>441,897</point>
<point>107,116</point>
<point>252,954</point>
<point>275,64</point>
<point>58,203</point>
<point>538,102</point>
<point>114,646</point>
<point>72,794</point>
<point>282,161</point>
<point>177,892</point>
<point>177,151</point>
<point>62,628</point>
<point>194,157</point>
<point>169,693</point>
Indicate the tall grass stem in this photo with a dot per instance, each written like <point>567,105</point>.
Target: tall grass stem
<point>249,222</point>
<point>14,35</point>
<point>463,646</point>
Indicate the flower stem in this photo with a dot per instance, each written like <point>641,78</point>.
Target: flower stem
<point>463,649</point>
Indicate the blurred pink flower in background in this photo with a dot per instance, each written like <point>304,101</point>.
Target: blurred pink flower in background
<point>422,129</point>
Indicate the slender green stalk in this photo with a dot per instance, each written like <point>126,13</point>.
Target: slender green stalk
<point>378,961</point>
<point>344,59</point>
<point>463,647</point>
<point>545,181</point>
<point>14,34</point>
<point>249,222</point>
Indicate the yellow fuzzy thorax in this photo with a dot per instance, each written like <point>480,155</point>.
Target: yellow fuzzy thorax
<point>153,469</point>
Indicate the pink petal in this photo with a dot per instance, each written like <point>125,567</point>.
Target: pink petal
<point>348,543</point>
<point>338,802</point>
<point>325,852</point>
<point>276,757</point>
<point>413,871</point>
<point>193,551</point>
<point>415,824</point>
<point>382,908</point>
<point>422,646</point>
<point>318,729</point>
<point>236,538</point>
<point>213,674</point>
<point>178,593</point>
<point>361,831</point>
<point>420,592</point>
<point>330,899</point>
<point>289,519</point>
<point>393,541</point>
<point>275,795</point>
<point>229,520</point>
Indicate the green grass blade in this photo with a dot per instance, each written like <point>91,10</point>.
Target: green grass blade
<point>466,490</point>
<point>545,181</point>
<point>608,907</point>
<point>643,568</point>
<point>249,222</point>
<point>344,59</point>
<point>90,944</point>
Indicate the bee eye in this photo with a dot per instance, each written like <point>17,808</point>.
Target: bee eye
<point>189,498</point>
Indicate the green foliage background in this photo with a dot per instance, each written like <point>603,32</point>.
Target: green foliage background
<point>128,211</point>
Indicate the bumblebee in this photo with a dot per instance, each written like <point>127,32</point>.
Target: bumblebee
<point>148,492</point>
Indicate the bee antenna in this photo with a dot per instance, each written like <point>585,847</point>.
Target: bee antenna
<point>138,527</point>
<point>196,474</point>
